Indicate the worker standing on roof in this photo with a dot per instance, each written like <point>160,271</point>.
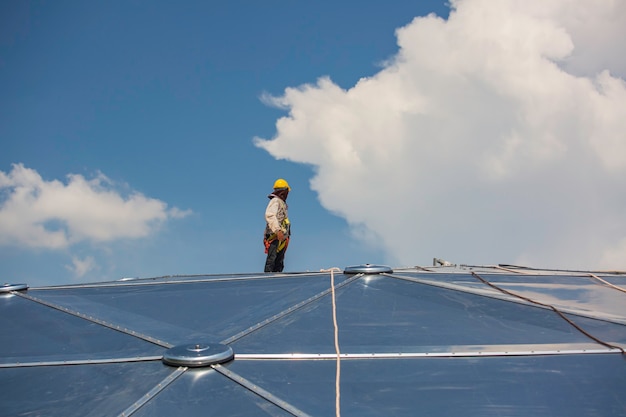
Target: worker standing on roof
<point>278,228</point>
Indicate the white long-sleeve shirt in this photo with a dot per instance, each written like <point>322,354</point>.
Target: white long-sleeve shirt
<point>275,215</point>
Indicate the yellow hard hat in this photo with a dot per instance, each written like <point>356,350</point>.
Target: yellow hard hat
<point>281,184</point>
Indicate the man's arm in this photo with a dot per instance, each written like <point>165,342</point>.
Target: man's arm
<point>271,217</point>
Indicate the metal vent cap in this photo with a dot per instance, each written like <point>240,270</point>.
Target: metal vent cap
<point>198,354</point>
<point>6,288</point>
<point>367,269</point>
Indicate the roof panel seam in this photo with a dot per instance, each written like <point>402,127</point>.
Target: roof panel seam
<point>96,321</point>
<point>288,311</point>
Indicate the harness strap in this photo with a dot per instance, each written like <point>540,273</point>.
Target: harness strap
<point>267,241</point>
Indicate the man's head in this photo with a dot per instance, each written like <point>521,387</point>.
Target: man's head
<point>281,184</point>
<point>281,189</point>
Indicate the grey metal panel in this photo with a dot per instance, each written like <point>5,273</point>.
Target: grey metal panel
<point>604,330</point>
<point>205,392</point>
<point>185,312</point>
<point>379,314</point>
<point>573,292</point>
<point>570,292</point>
<point>595,307</point>
<point>32,332</point>
<point>573,386</point>
<point>79,390</point>
<point>380,318</point>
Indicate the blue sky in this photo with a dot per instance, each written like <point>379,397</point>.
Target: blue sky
<point>164,98</point>
<point>145,135</point>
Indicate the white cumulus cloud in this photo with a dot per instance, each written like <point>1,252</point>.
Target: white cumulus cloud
<point>496,135</point>
<point>51,214</point>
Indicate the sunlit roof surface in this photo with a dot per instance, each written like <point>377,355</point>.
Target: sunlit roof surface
<point>435,341</point>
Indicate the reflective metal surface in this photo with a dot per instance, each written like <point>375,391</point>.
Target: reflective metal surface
<point>384,315</point>
<point>184,312</point>
<point>35,333</point>
<point>205,392</point>
<point>580,295</point>
<point>479,387</point>
<point>424,341</point>
<point>78,390</point>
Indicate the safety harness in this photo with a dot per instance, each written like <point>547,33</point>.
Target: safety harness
<point>268,239</point>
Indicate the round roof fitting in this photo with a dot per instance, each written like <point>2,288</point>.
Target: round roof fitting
<point>4,288</point>
<point>367,269</point>
<point>196,355</point>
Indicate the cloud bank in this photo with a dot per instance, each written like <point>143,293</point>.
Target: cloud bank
<point>496,135</point>
<point>35,213</point>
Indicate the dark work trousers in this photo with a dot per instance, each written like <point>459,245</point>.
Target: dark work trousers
<point>275,260</point>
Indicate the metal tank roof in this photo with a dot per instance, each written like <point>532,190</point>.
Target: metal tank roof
<point>368,340</point>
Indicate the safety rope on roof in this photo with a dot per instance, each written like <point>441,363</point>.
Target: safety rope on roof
<point>337,350</point>
<point>577,271</point>
<point>607,283</point>
<point>551,307</point>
